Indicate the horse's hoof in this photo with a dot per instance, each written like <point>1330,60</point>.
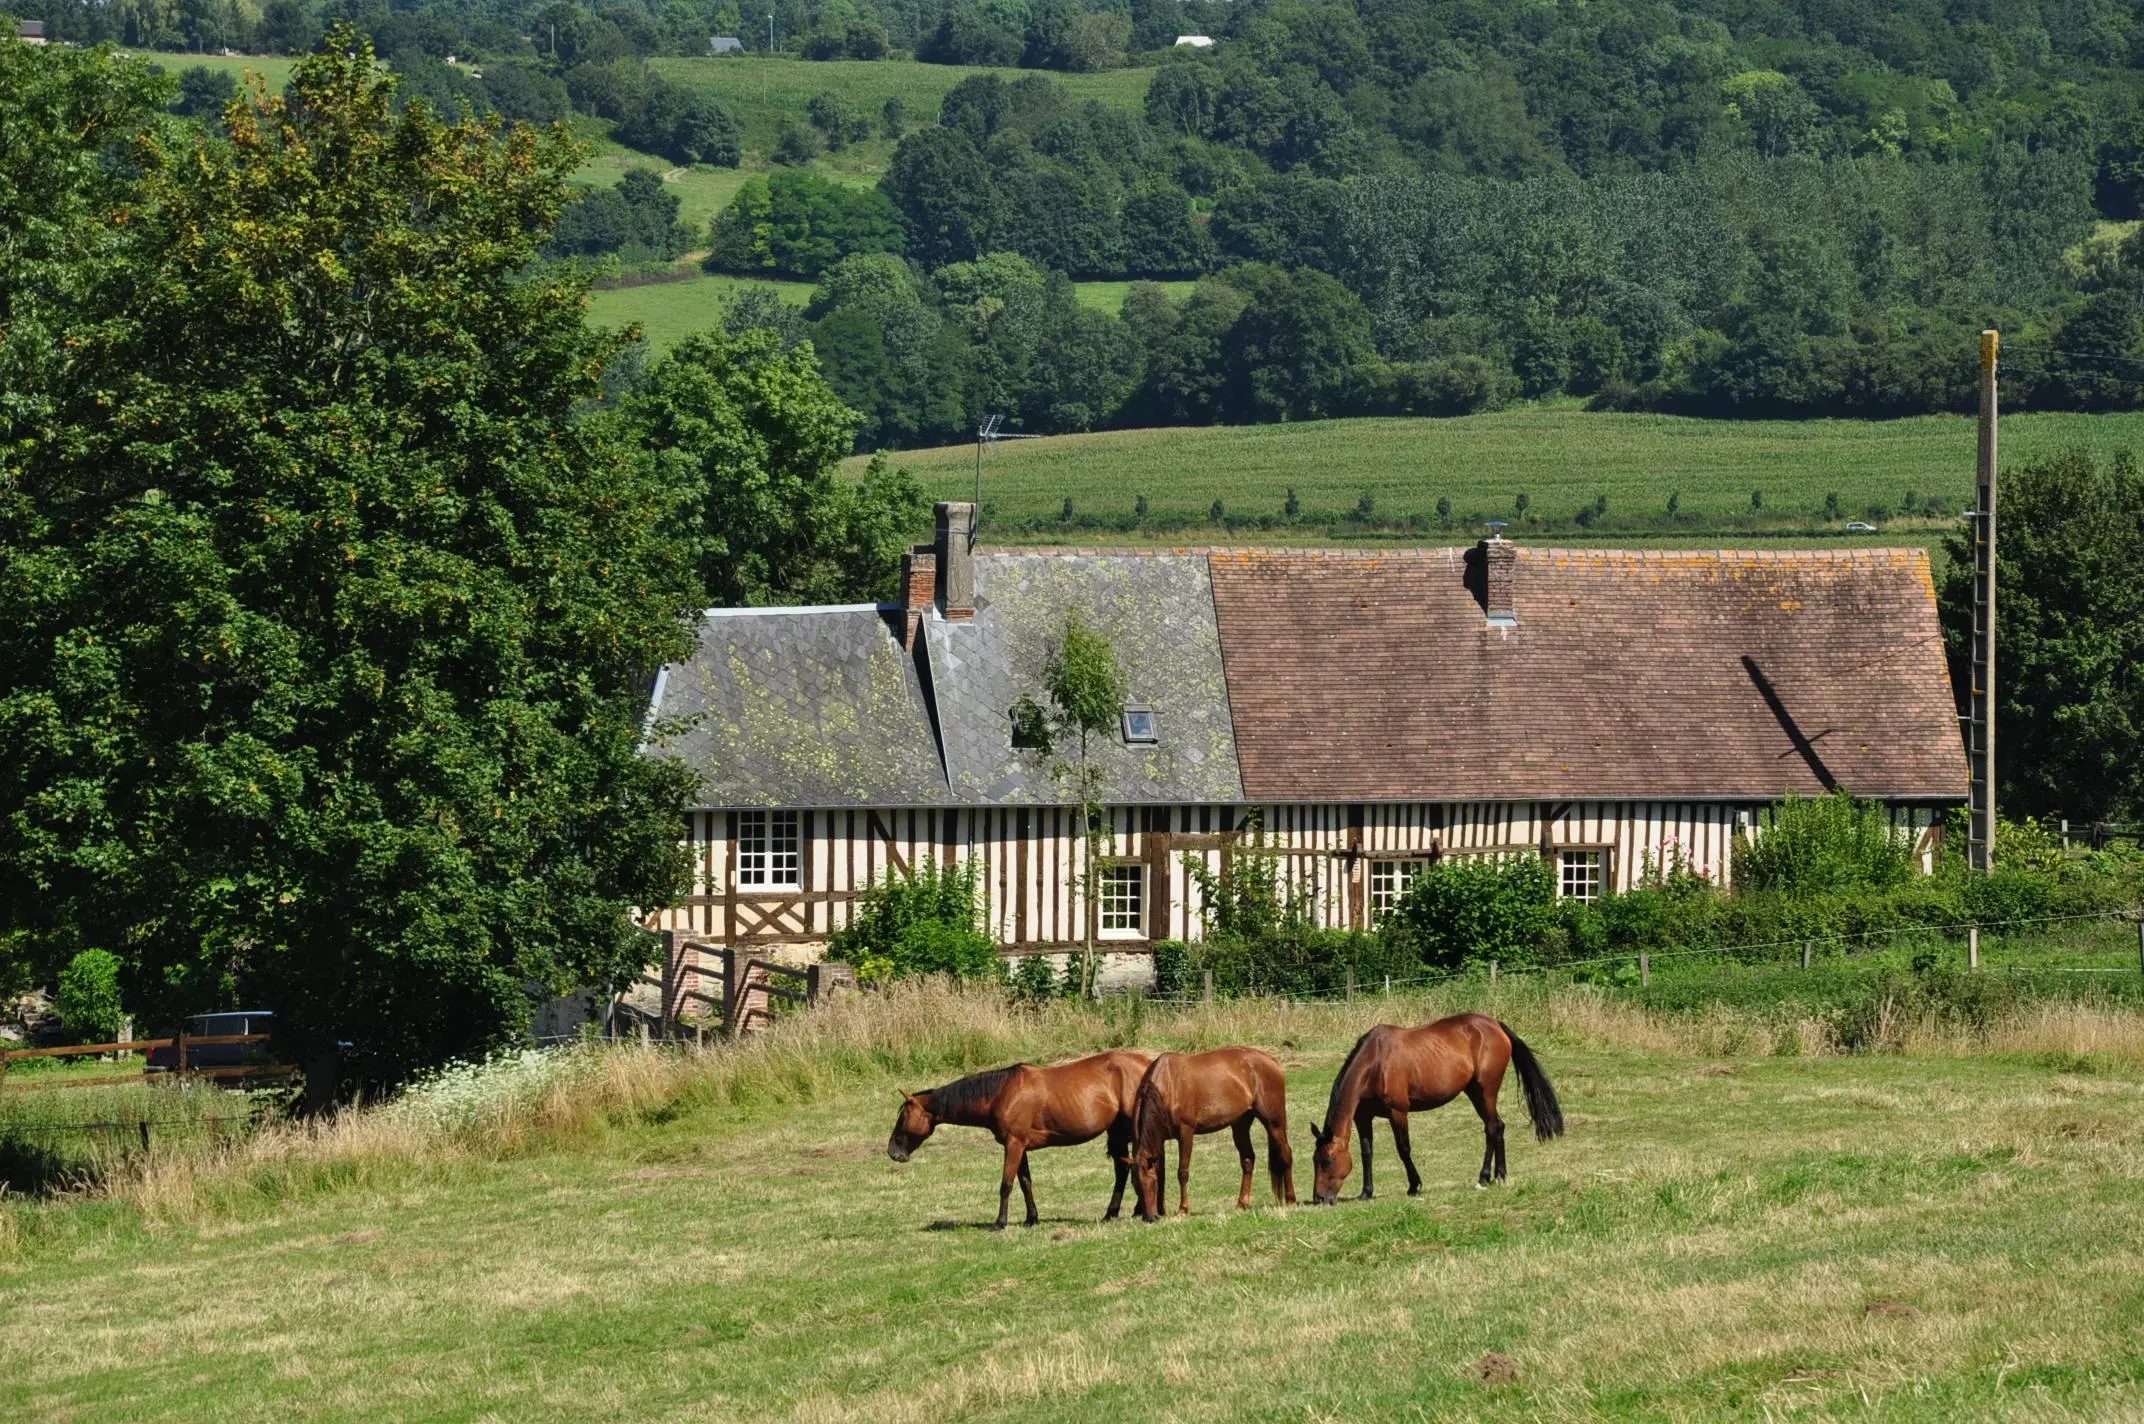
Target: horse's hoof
<point>1481,1186</point>
<point>1414,1191</point>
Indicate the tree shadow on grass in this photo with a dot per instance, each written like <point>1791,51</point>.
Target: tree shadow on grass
<point>943,1225</point>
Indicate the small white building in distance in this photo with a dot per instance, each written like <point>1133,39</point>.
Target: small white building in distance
<point>1196,41</point>
<point>726,44</point>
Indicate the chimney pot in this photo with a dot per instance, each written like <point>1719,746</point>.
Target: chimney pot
<point>1500,570</point>
<point>956,559</point>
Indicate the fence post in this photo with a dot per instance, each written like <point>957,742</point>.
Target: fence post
<point>1388,977</point>
<point>812,987</point>
<point>1351,983</point>
<point>2140,964</point>
<point>732,990</point>
<point>1807,949</point>
<point>1206,986</point>
<point>1645,971</point>
<point>1492,973</point>
<point>1972,947</point>
<point>671,1004</point>
<point>145,1137</point>
<point>179,1059</point>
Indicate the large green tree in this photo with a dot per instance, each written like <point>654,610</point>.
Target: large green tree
<point>2069,636</point>
<point>325,611</point>
<point>756,431</point>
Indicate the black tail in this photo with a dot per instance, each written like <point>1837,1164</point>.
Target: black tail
<point>1541,1104</point>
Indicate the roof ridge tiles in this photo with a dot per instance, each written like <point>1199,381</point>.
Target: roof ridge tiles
<point>1827,554</point>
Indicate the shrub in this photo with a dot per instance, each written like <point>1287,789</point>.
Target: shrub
<point>1172,967</point>
<point>89,997</point>
<point>1823,844</point>
<point>927,921</point>
<point>1464,911</point>
<point>1033,979</point>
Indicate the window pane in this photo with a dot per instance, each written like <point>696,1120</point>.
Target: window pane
<point>1123,894</point>
<point>751,847</point>
<point>1581,874</point>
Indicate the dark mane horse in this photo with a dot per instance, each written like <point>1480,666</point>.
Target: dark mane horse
<point>1186,1094</point>
<point>1026,1107</point>
<point>1392,1071</point>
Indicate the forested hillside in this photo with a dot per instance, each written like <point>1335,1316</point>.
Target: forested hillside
<point>1714,208</point>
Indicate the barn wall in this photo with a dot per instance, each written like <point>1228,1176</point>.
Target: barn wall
<point>1027,858</point>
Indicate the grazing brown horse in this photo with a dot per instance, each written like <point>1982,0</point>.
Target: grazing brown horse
<point>1394,1071</point>
<point>1026,1107</point>
<point>1189,1093</point>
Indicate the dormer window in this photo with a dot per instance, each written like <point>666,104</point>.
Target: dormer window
<point>1139,727</point>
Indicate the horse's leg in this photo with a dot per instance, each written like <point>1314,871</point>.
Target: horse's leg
<point>1492,1132</point>
<point>1015,1157</point>
<point>1119,1148</point>
<point>1242,1131</point>
<point>1280,1161</point>
<point>1401,1145</point>
<point>1027,1189</point>
<point>1362,1130</point>
<point>1184,1137</point>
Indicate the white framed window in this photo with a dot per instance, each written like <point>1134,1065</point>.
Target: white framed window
<point>767,849</point>
<point>1582,873</point>
<point>1389,880</point>
<point>1123,902</point>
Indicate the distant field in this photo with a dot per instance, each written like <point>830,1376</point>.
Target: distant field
<point>702,192</point>
<point>672,310</point>
<point>1560,457</point>
<point>764,94</point>
<point>1109,296</point>
<point>273,68</point>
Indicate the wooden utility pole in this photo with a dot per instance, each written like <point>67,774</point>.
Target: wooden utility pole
<point>1980,723</point>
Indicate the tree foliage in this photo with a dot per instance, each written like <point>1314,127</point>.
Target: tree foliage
<point>325,615</point>
<point>927,921</point>
<point>2069,636</point>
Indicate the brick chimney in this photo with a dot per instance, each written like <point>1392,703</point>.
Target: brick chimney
<point>919,589</point>
<point>956,559</point>
<point>1500,577</point>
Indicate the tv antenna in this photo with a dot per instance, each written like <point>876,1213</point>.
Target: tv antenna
<point>989,432</point>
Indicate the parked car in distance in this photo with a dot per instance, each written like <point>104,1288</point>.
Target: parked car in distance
<point>218,1055</point>
<point>1859,526</point>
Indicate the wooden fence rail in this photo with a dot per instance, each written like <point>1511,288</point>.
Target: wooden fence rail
<point>180,1070</point>
<point>726,988</point>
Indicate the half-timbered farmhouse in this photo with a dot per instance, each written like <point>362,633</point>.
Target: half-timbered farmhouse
<point>1359,713</point>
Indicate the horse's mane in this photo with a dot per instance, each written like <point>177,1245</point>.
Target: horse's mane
<point>971,1091</point>
<point>1332,1104</point>
<point>1151,1120</point>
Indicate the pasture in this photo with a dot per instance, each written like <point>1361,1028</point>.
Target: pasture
<point>274,69</point>
<point>1733,1229</point>
<point>1561,457</point>
<point>672,311</point>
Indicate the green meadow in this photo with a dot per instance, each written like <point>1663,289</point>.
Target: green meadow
<point>1734,1228</point>
<point>1561,458</point>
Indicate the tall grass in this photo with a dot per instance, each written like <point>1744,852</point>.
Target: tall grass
<point>919,1034</point>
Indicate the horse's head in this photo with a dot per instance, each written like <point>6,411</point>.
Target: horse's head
<point>910,1128</point>
<point>1146,1182</point>
<point>1333,1165</point>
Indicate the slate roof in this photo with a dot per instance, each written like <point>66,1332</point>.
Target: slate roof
<point>1157,610</point>
<point>800,707</point>
<point>1349,676</point>
<point>1662,674</point>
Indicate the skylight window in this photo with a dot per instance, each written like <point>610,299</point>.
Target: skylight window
<point>1139,727</point>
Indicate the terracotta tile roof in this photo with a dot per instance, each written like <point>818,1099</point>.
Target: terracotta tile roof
<point>1656,674</point>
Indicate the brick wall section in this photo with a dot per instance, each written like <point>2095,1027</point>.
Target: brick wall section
<point>1645,674</point>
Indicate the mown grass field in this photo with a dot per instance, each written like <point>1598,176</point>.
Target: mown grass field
<point>1944,1234</point>
<point>671,311</point>
<point>274,69</point>
<point>1560,456</point>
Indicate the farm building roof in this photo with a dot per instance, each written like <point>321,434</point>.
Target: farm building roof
<point>800,707</point>
<point>1156,611</point>
<point>1653,674</point>
<point>1348,676</point>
